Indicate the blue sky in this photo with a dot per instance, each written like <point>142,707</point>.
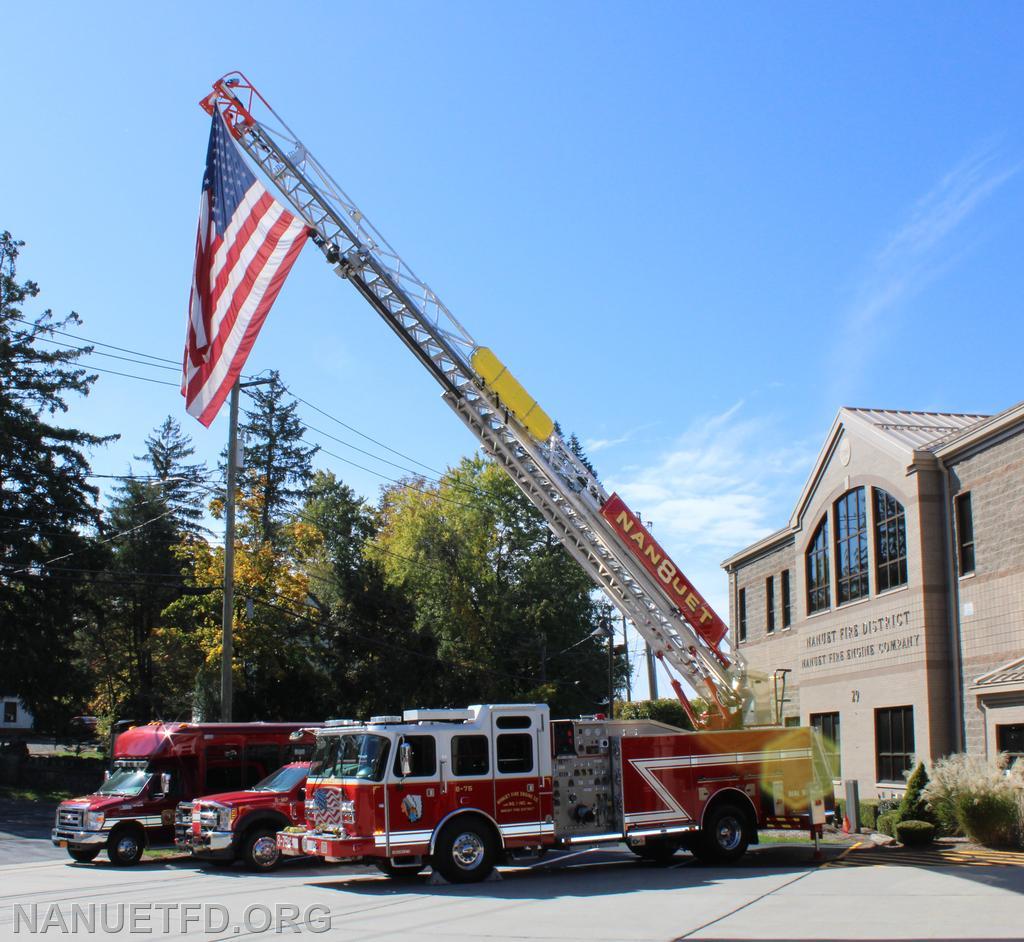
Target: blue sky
<point>693,231</point>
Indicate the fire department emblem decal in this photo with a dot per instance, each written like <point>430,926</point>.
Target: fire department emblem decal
<point>412,805</point>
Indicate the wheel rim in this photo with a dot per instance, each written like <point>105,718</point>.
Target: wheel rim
<point>127,846</point>
<point>264,851</point>
<point>729,833</point>
<point>468,850</point>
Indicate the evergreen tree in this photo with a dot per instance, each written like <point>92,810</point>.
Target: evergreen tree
<point>46,502</point>
<point>278,465</point>
<point>168,450</point>
<point>913,806</point>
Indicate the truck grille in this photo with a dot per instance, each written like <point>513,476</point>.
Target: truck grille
<point>183,813</point>
<point>69,817</point>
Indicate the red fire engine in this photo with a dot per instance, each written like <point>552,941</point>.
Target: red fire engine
<point>158,765</point>
<point>456,789</point>
<point>460,790</point>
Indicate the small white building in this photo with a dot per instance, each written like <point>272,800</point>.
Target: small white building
<point>13,714</point>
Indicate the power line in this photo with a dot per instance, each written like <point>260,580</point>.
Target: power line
<point>97,343</point>
<point>89,351</point>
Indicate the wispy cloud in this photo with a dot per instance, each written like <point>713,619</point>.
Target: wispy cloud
<point>922,246</point>
<point>729,480</point>
<point>593,445</point>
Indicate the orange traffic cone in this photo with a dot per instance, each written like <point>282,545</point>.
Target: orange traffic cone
<point>846,824</point>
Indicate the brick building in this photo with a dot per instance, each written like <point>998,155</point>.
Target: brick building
<point>889,611</point>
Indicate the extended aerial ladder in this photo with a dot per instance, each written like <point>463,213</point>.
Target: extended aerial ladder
<point>597,529</point>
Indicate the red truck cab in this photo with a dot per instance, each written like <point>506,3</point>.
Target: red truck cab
<point>241,825</point>
<point>159,765</point>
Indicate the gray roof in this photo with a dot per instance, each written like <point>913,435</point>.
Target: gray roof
<point>918,431</point>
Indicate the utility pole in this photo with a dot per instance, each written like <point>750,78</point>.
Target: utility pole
<point>629,675</point>
<point>610,631</point>
<point>227,615</point>
<point>652,668</point>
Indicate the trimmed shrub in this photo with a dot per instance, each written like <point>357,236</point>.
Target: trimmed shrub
<point>989,818</point>
<point>868,809</point>
<point>913,807</point>
<point>974,795</point>
<point>887,822</point>
<point>915,833</point>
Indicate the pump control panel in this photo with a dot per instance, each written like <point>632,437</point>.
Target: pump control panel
<point>583,795</point>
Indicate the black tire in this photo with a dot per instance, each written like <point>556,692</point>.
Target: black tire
<point>84,854</point>
<point>465,850</point>
<point>725,835</point>
<point>656,851</point>
<point>259,849</point>
<point>406,874</point>
<point>125,845</point>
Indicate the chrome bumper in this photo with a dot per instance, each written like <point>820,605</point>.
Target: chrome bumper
<point>78,838</point>
<point>212,841</point>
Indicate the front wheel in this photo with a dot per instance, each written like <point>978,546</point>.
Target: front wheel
<point>84,854</point>
<point>465,851</point>
<point>724,837</point>
<point>260,850</point>
<point>125,846</point>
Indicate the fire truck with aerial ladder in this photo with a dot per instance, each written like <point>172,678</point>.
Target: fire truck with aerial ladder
<point>456,789</point>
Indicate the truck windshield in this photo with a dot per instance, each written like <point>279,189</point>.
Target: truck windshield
<point>283,780</point>
<point>125,781</point>
<point>354,755</point>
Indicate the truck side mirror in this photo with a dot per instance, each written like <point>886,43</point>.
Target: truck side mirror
<point>165,783</point>
<point>405,758</point>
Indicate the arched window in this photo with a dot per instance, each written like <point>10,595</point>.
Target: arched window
<point>890,541</point>
<point>817,569</point>
<point>851,546</point>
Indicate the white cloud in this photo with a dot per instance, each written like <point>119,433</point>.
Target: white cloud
<point>728,481</point>
<point>593,445</point>
<point>920,248</point>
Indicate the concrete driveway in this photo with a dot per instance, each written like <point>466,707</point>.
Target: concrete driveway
<point>598,896</point>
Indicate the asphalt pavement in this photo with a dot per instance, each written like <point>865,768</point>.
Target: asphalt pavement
<point>598,895</point>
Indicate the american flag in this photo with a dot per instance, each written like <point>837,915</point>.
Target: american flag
<point>327,805</point>
<point>246,245</point>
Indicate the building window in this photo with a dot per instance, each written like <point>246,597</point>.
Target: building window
<point>787,605</point>
<point>10,711</point>
<point>769,604</point>
<point>827,724</point>
<point>1010,739</point>
<point>890,541</point>
<point>741,605</point>
<point>894,742</point>
<point>965,533</point>
<point>817,570</point>
<point>851,546</point>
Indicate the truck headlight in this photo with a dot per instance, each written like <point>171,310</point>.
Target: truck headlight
<point>226,818</point>
<point>94,820</point>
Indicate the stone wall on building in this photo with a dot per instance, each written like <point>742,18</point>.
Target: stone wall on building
<point>990,601</point>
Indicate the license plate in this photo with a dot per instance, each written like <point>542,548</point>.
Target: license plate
<point>62,843</point>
